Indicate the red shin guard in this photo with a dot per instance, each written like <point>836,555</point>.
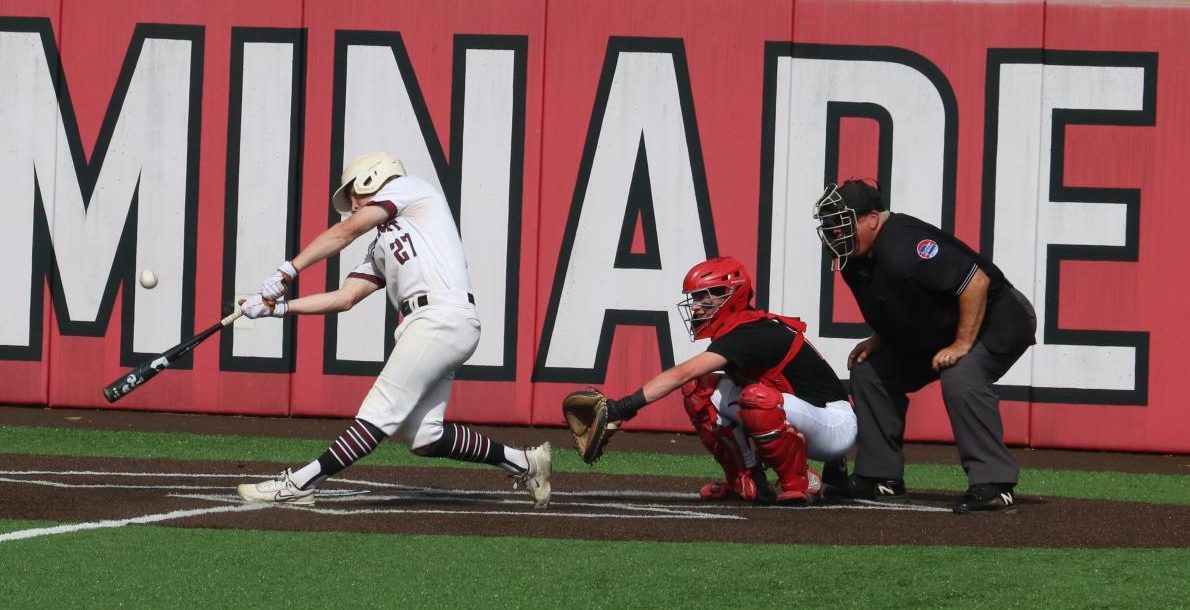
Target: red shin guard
<point>780,445</point>
<point>719,440</point>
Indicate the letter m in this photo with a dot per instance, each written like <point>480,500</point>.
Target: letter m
<point>86,226</point>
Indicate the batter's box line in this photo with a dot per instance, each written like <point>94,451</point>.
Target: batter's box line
<point>551,513</point>
<point>477,497</point>
<point>346,481</point>
<point>654,512</point>
<point>105,485</point>
<point>106,473</point>
<point>115,523</point>
<point>326,491</point>
<point>337,480</point>
<point>853,504</point>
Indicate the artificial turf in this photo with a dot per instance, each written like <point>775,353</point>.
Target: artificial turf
<point>1133,487</point>
<point>161,567</point>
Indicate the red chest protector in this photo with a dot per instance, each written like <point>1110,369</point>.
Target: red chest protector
<point>774,377</point>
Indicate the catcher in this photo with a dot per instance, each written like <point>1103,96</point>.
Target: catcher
<point>759,388</point>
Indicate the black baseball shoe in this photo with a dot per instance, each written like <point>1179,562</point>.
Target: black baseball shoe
<point>986,497</point>
<point>834,478</point>
<point>764,491</point>
<point>860,487</point>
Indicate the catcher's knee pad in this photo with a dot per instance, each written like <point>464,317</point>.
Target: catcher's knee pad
<point>780,445</point>
<point>761,410</point>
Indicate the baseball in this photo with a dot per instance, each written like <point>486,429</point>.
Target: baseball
<point>148,279</point>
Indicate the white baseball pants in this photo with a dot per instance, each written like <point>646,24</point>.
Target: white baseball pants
<point>409,397</point>
<point>829,431</point>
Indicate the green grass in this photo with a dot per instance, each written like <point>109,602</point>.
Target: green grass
<point>1157,488</point>
<point>14,525</point>
<point>163,567</point>
<point>156,567</point>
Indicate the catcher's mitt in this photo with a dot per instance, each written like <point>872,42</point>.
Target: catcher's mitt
<point>586,414</point>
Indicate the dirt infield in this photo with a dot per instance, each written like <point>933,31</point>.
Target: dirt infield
<point>89,493</point>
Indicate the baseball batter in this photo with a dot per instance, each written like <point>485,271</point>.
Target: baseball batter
<point>418,258</point>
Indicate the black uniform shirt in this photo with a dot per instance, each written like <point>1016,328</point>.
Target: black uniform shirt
<point>753,348</point>
<point>908,285</point>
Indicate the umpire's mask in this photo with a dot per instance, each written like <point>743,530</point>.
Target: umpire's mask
<point>837,213</point>
<point>836,225</point>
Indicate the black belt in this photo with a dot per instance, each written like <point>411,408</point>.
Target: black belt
<point>421,300</point>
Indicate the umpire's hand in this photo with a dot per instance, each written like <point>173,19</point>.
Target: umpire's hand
<point>949,356</point>
<point>863,351</point>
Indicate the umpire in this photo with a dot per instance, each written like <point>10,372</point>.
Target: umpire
<point>938,310</point>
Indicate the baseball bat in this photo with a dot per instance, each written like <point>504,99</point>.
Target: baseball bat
<point>146,371</point>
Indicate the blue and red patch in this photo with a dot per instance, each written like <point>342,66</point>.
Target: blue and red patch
<point>927,248</point>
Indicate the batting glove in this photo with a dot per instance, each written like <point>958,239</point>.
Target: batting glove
<point>275,286</point>
<point>255,307</point>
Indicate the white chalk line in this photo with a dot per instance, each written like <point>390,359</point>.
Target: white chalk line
<point>552,512</point>
<point>113,523</point>
<point>591,494</point>
<point>106,485</point>
<point>650,510</point>
<point>105,473</point>
<point>460,494</point>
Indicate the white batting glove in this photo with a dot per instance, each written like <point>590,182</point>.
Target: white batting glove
<point>275,286</point>
<point>255,307</point>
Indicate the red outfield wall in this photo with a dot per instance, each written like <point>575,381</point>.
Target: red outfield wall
<point>593,151</point>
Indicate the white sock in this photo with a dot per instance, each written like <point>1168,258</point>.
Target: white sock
<point>516,457</point>
<point>306,473</point>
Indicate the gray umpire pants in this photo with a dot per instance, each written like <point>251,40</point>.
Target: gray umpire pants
<point>879,387</point>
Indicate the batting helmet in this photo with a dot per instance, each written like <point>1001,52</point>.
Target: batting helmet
<point>716,290</point>
<point>837,212</point>
<point>368,173</point>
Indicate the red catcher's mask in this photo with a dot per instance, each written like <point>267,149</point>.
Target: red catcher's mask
<point>716,290</point>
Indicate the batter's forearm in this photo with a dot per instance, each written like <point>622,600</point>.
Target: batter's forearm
<point>332,241</point>
<point>325,302</point>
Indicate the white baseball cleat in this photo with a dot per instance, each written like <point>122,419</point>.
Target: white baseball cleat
<point>280,490</point>
<point>536,479</point>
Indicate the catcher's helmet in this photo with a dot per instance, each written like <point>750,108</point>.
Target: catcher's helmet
<point>368,173</point>
<point>716,290</point>
<point>837,212</point>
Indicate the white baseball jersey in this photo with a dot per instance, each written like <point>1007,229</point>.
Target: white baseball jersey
<point>418,250</point>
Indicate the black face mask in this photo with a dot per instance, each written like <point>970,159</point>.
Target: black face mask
<point>836,225</point>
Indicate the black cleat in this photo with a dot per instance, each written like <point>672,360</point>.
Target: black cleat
<point>764,491</point>
<point>834,478</point>
<point>860,487</point>
<point>986,497</point>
